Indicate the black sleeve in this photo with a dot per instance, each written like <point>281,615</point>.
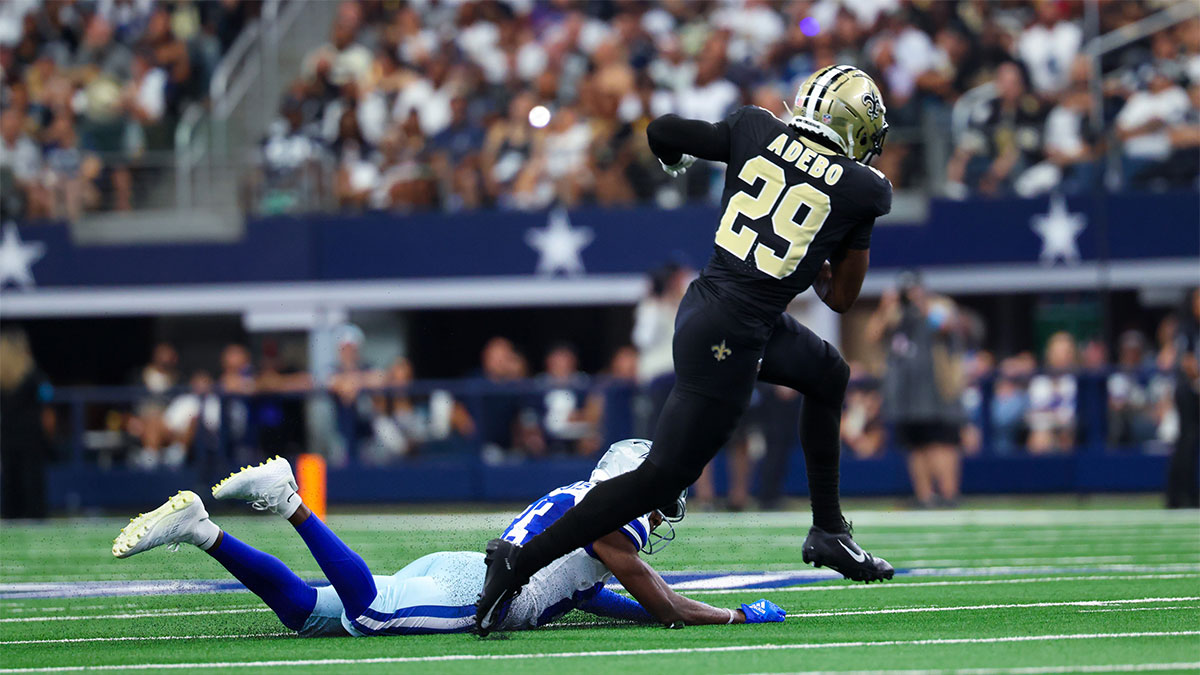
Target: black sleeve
<point>671,136</point>
<point>859,238</point>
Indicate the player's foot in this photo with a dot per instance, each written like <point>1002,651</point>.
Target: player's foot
<point>500,585</point>
<point>270,486</point>
<point>839,552</point>
<point>179,521</point>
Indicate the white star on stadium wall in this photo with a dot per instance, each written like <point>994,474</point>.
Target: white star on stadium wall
<point>1059,229</point>
<point>559,244</point>
<point>17,258</point>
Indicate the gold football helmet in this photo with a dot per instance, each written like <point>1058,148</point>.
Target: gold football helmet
<point>841,105</point>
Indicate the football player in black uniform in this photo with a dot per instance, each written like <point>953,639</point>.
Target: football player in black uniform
<point>799,204</point>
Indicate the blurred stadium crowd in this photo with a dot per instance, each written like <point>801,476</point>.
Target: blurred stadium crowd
<point>89,88</point>
<point>522,104</point>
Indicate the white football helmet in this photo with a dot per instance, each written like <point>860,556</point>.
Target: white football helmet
<point>625,456</point>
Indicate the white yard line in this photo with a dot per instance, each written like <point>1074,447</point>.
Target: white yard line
<point>1024,670</point>
<point>1139,609</point>
<point>968,608</point>
<point>134,615</point>
<point>128,638</point>
<point>924,584</point>
<point>1064,560</point>
<point>126,605</point>
<point>600,654</point>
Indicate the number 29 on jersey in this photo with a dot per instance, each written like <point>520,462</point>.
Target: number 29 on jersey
<point>782,206</point>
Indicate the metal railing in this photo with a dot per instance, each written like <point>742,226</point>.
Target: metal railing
<point>85,439</point>
<point>212,135</point>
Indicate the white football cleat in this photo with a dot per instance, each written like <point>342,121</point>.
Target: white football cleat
<point>179,521</point>
<point>270,486</point>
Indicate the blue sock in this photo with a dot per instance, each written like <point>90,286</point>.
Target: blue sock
<point>267,577</point>
<point>350,576</point>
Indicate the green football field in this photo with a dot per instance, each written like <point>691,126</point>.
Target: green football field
<point>997,587</point>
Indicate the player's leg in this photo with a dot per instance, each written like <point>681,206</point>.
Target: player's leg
<point>270,486</point>
<point>716,361</point>
<point>691,429</point>
<point>796,357</point>
<point>433,594</point>
<point>183,520</point>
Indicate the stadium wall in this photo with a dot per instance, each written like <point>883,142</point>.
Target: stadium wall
<point>585,256</point>
<point>76,488</point>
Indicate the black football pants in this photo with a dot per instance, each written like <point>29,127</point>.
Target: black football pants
<point>719,355</point>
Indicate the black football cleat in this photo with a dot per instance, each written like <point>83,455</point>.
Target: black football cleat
<point>500,585</point>
<point>840,553</point>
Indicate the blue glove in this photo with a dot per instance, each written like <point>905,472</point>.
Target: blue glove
<point>764,611</point>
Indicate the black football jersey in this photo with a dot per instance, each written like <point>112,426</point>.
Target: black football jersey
<point>789,204</point>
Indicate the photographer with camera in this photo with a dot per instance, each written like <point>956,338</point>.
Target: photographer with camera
<point>922,385</point>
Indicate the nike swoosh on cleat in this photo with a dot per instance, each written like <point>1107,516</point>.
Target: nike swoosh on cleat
<point>858,557</point>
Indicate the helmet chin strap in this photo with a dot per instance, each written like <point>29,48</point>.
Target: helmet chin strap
<point>821,130</point>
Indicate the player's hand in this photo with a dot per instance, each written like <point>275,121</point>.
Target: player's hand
<point>824,281</point>
<point>764,611</point>
<point>678,168</point>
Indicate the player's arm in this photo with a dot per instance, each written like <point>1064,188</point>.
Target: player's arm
<point>839,283</point>
<point>675,140</point>
<point>620,555</point>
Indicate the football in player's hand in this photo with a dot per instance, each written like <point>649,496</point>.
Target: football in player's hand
<point>764,611</point>
<point>824,280</point>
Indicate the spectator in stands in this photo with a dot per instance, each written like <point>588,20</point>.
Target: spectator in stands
<point>171,54</point>
<point>922,387</point>
<point>1048,46</point>
<point>1143,126</point>
<point>980,367</point>
<point>1131,419</point>
<point>1052,398</point>
<point>653,332</point>
<point>1183,472</point>
<point>456,159</point>
<point>235,384</point>
<point>70,173</point>
<point>193,420</point>
<point>863,429</point>
<point>159,377</point>
<point>351,376</point>
<point>1068,143</point>
<point>21,191</point>
<point>289,157</point>
<point>406,423</point>
<point>279,414</point>
<point>24,452</point>
<point>1010,403</point>
<point>616,397</point>
<point>144,97</point>
<point>569,416</point>
<point>358,176</point>
<point>99,53</point>
<point>502,423</point>
<point>510,143</point>
<point>1183,165</point>
<point>1003,137</point>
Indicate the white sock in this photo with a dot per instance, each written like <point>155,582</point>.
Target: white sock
<point>206,534</point>
<point>289,504</point>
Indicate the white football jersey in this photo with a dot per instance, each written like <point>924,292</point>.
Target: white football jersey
<point>572,579</point>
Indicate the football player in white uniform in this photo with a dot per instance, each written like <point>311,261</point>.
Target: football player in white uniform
<point>436,593</point>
